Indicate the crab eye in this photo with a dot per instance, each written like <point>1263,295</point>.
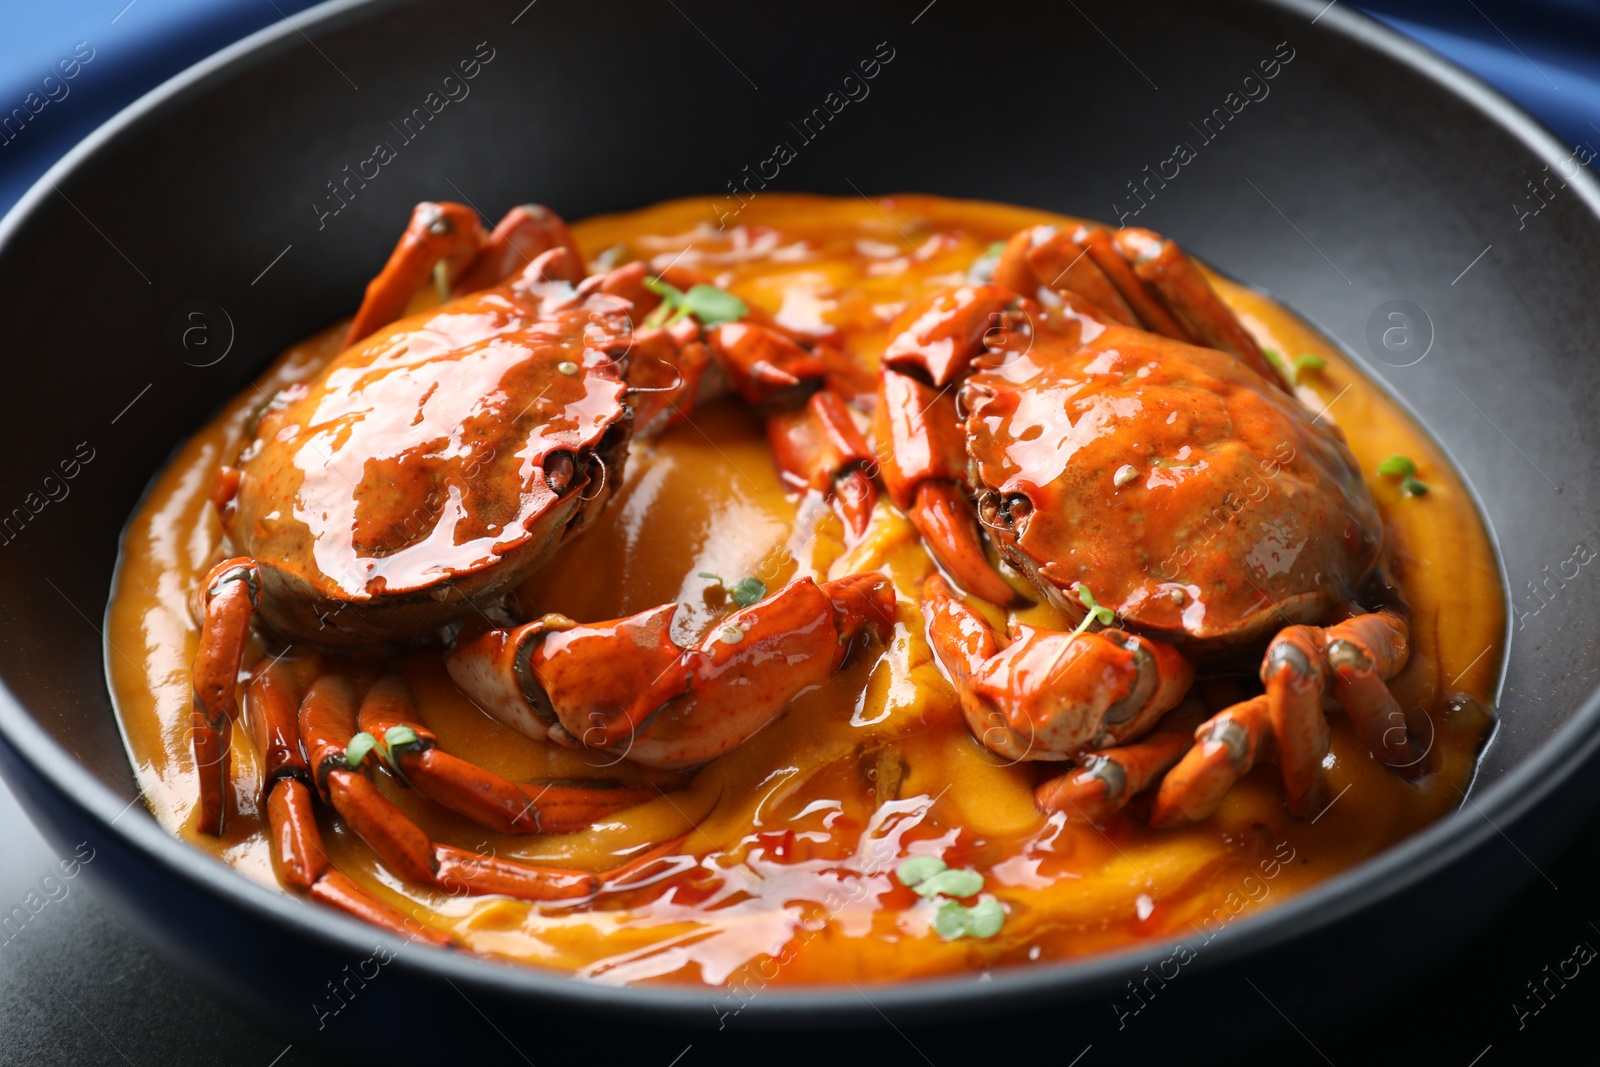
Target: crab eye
<point>1016,508</point>
<point>558,470</point>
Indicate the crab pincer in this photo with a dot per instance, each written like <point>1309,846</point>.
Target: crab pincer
<point>626,686</point>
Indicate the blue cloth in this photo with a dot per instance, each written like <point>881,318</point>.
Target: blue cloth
<point>133,48</point>
<point>1545,54</point>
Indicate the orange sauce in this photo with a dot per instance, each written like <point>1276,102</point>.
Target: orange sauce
<point>785,870</point>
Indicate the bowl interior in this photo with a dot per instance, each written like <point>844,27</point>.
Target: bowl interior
<point>258,195</point>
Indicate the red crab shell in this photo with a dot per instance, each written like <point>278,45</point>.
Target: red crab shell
<point>437,462</point>
<point>1202,504</point>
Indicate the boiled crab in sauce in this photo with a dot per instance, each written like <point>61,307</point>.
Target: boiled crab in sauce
<point>781,857</point>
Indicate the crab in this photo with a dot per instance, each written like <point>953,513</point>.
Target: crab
<point>1100,417</point>
<point>430,468</point>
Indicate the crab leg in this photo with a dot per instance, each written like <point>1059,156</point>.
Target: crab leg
<point>230,595</point>
<point>523,235</point>
<point>297,852</point>
<point>1350,661</point>
<point>327,727</point>
<point>1162,265</point>
<point>1156,318</point>
<point>1048,694</point>
<point>924,457</point>
<point>932,344</point>
<point>626,685</point>
<point>1109,778</point>
<point>388,714</point>
<point>1046,256</point>
<point>815,442</point>
<point>817,445</point>
<point>1225,747</point>
<point>438,233</point>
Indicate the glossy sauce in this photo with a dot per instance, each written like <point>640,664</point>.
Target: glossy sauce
<point>784,870</point>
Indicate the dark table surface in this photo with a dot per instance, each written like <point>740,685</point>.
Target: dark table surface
<point>78,988</point>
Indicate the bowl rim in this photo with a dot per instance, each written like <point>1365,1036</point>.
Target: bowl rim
<point>1398,867</point>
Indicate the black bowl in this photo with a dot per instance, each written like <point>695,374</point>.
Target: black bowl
<point>1364,179</point>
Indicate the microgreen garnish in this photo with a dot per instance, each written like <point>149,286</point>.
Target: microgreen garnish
<point>934,880</point>
<point>396,738</point>
<point>1303,363</point>
<point>1404,468</point>
<point>954,919</point>
<point>918,869</point>
<point>950,883</point>
<point>360,746</point>
<point>1093,611</point>
<point>1277,361</point>
<point>745,592</point>
<point>712,306</point>
<point>749,591</point>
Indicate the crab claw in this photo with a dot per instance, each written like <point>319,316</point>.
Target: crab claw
<point>625,685</point>
<point>817,445</point>
<point>760,362</point>
<point>815,442</point>
<point>924,458</point>
<point>941,335</point>
<point>944,517</point>
<point>444,233</point>
<point>1049,694</point>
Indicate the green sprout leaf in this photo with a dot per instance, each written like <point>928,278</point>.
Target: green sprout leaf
<point>951,883</point>
<point>361,745</point>
<point>1404,468</point>
<point>1277,361</point>
<point>748,592</point>
<point>395,740</point>
<point>744,592</point>
<point>1304,363</point>
<point>1093,611</point>
<point>1398,466</point>
<point>950,921</point>
<point>665,290</point>
<point>712,306</point>
<point>985,918</point>
<point>954,919</point>
<point>918,869</point>
<point>934,880</point>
